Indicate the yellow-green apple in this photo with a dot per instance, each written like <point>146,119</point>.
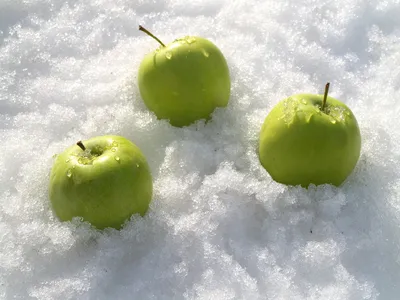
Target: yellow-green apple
<point>184,81</point>
<point>310,139</point>
<point>104,180</point>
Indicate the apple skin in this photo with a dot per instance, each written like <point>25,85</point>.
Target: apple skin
<point>185,80</point>
<point>105,188</point>
<point>301,145</point>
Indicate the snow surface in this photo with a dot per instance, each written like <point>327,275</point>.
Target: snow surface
<point>218,227</point>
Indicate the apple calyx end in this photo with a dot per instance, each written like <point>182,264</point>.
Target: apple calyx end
<point>141,28</point>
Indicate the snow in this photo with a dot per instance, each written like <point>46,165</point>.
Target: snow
<point>218,226</point>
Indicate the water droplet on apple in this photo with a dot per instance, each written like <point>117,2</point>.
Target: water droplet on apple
<point>190,40</point>
<point>113,149</point>
<point>67,160</point>
<point>308,117</point>
<point>137,165</point>
<point>333,121</point>
<point>168,55</point>
<point>69,173</point>
<point>304,101</point>
<point>80,160</point>
<point>117,158</point>
<point>289,110</point>
<point>205,53</point>
<point>114,144</point>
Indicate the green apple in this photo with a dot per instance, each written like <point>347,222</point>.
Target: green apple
<point>185,80</point>
<point>310,139</point>
<point>104,180</point>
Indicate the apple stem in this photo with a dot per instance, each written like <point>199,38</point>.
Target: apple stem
<point>141,28</point>
<point>325,96</point>
<point>81,145</point>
